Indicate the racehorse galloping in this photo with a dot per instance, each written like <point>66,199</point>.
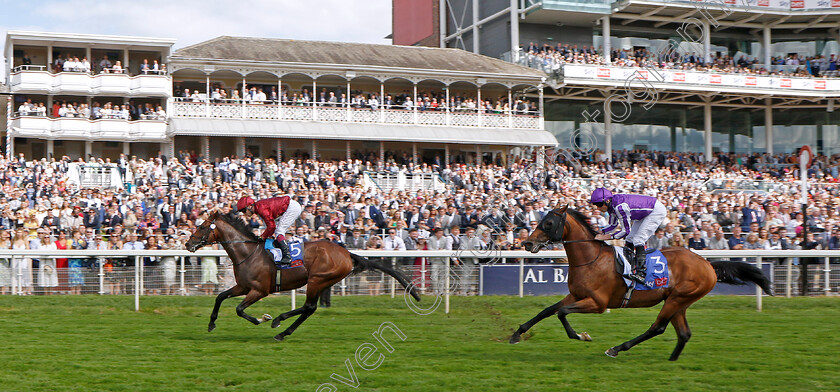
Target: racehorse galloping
<point>325,263</point>
<point>595,286</point>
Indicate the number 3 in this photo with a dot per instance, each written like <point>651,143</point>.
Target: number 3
<point>660,265</point>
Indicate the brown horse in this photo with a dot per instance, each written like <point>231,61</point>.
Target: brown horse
<point>325,264</point>
<point>595,286</point>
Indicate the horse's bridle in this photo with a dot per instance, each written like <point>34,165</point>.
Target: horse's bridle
<point>203,241</point>
<point>557,232</point>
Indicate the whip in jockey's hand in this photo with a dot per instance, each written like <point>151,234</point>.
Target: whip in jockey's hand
<point>278,214</point>
<point>632,217</point>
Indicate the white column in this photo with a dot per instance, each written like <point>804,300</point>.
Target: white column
<point>607,45</point>
<point>382,102</point>
<point>475,26</point>
<point>445,155</point>
<point>381,152</point>
<point>608,129</point>
<point>126,149</point>
<point>10,140</point>
<point>242,112</point>
<point>240,147</point>
<point>480,107</point>
<point>767,46</point>
<point>414,109</point>
<point>768,125</point>
<point>707,122</point>
<point>279,148</point>
<point>205,147</point>
<point>125,61</point>
<point>50,148</point>
<point>443,22</point>
<point>707,42</point>
<point>477,154</point>
<point>207,95</point>
<point>448,109</point>
<point>88,149</point>
<point>510,109</point>
<point>414,153</point>
<point>279,99</point>
<point>49,61</point>
<point>314,100</point>
<point>314,149</point>
<point>514,30</point>
<point>349,155</point>
<point>90,59</point>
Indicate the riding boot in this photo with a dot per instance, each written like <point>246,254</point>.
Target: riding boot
<point>284,247</point>
<point>639,269</point>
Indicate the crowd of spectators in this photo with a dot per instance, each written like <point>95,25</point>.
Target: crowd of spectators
<point>72,63</point>
<point>494,204</point>
<point>108,110</point>
<point>551,59</point>
<point>426,100</point>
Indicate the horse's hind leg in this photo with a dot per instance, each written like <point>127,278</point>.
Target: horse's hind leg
<point>683,333</point>
<point>231,292</point>
<point>252,297</point>
<point>313,292</point>
<point>668,311</point>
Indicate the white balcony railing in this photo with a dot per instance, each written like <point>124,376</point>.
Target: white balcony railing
<point>252,111</point>
<point>84,129</point>
<point>591,73</point>
<point>31,81</point>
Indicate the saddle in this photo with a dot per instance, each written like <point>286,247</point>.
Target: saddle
<point>657,271</point>
<point>296,250</point>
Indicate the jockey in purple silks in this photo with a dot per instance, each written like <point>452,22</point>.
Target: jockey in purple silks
<point>632,217</point>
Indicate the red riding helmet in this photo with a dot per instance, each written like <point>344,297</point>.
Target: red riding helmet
<point>243,203</point>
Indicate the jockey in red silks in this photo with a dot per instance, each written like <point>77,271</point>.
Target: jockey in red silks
<point>278,213</point>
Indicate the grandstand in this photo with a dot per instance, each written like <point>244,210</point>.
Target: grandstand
<point>733,76</point>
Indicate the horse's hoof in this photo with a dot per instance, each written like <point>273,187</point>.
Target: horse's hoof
<point>276,323</point>
<point>515,338</point>
<point>612,353</point>
<point>585,337</point>
<point>211,327</point>
<point>264,318</point>
<point>279,337</point>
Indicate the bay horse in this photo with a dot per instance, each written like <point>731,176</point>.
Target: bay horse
<point>595,286</point>
<point>324,264</point>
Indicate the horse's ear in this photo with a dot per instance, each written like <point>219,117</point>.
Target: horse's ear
<point>563,209</point>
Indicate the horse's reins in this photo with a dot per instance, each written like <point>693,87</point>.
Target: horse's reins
<point>560,228</point>
<point>213,227</point>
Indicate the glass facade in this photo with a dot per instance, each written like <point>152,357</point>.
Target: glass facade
<point>680,128</point>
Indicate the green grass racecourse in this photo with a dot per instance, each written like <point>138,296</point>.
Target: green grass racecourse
<point>93,343</point>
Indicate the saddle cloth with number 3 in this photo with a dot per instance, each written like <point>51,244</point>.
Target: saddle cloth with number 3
<point>657,270</point>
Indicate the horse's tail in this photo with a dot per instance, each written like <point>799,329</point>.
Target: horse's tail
<point>736,272</point>
<point>363,264</point>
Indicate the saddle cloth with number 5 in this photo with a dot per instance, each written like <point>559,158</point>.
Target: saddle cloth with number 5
<point>657,270</point>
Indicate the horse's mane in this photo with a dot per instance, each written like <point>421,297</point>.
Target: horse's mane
<point>240,226</point>
<point>583,220</point>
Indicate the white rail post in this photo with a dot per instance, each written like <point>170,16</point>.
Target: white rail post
<point>521,277</point>
<point>423,275</point>
<point>101,276</point>
<point>758,292</point>
<point>136,283</point>
<point>17,286</point>
<point>294,292</point>
<point>343,287</point>
<point>142,279</point>
<point>393,284</point>
<point>788,284</point>
<point>446,286</point>
<point>183,272</point>
<point>827,271</point>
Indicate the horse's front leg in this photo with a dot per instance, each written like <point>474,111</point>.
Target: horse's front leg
<point>234,291</point>
<point>586,305</point>
<point>252,297</point>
